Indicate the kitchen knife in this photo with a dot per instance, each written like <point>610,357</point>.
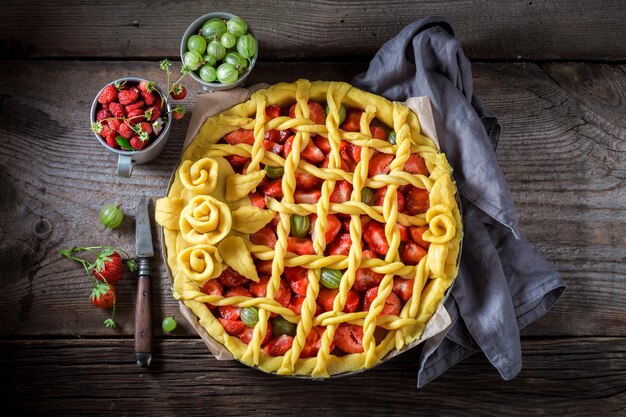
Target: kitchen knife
<point>143,316</point>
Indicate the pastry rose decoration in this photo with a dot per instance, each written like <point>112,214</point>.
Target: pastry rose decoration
<point>200,263</point>
<point>199,177</point>
<point>205,220</point>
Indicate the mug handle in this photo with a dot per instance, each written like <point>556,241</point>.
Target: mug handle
<point>124,166</point>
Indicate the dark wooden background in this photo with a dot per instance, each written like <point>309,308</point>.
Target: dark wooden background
<point>554,73</point>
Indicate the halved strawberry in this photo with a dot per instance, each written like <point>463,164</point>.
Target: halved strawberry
<point>342,192</point>
<point>259,289</point>
<point>296,305</point>
<point>378,133</point>
<point>283,295</point>
<point>272,111</point>
<point>231,278</point>
<point>230,312</point>
<point>314,342</point>
<point>344,165</point>
<point>238,292</point>
<point>288,146</point>
<point>274,189</point>
<point>416,235</point>
<point>237,162</point>
<point>300,245</point>
<point>412,253</point>
<point>295,273</point>
<point>332,228</point>
<point>232,327</point>
<point>374,234</point>
<point>263,267</point>
<point>240,136</point>
<point>379,164</point>
<point>317,112</point>
<point>312,153</point>
<point>212,287</point>
<point>354,152</point>
<point>278,136</point>
<point>299,287</point>
<point>379,198</point>
<point>365,278</point>
<point>307,197</point>
<point>307,182</point>
<point>278,346</point>
<point>339,246</point>
<point>353,120</point>
<point>392,303</point>
<point>273,147</point>
<point>326,298</point>
<point>403,288</point>
<point>349,338</point>
<point>266,236</point>
<point>246,335</point>
<point>323,143</point>
<point>257,200</point>
<point>416,165</point>
<point>417,201</point>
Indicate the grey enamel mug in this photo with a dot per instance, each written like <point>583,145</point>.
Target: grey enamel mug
<point>127,159</point>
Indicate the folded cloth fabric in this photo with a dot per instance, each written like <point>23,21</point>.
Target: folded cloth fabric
<point>504,283</point>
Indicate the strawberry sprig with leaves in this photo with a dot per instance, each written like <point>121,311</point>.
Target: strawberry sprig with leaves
<point>103,272</point>
<point>176,90</point>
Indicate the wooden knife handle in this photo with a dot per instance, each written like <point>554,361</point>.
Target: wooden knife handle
<point>143,316</point>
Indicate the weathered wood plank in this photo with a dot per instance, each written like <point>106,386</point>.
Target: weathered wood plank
<point>564,377</point>
<point>528,30</point>
<point>562,152</point>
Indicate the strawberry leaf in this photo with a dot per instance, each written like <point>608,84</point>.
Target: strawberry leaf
<point>119,85</point>
<point>148,114</point>
<point>179,110</point>
<point>65,252</point>
<point>124,143</point>
<point>143,136</point>
<point>109,323</point>
<point>132,265</point>
<point>149,86</point>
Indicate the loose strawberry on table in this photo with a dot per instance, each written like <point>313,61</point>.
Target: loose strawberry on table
<point>102,272</point>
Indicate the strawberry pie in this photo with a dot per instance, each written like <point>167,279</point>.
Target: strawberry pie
<point>313,229</point>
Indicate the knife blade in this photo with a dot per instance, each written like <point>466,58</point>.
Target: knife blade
<point>143,317</point>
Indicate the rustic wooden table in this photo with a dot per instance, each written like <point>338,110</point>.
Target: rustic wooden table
<point>551,70</point>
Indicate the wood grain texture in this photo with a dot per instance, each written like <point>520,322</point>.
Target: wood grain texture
<point>319,29</point>
<point>566,377</point>
<point>562,151</point>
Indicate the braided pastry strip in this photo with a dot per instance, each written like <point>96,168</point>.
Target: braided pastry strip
<point>301,139</point>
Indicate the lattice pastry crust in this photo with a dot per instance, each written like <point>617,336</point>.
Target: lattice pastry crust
<point>208,219</point>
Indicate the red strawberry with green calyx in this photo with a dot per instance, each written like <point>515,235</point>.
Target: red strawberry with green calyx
<point>103,295</point>
<point>108,266</point>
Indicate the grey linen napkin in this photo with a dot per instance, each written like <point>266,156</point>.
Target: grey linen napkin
<point>504,283</point>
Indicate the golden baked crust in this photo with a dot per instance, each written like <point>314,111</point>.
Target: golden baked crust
<point>207,219</point>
